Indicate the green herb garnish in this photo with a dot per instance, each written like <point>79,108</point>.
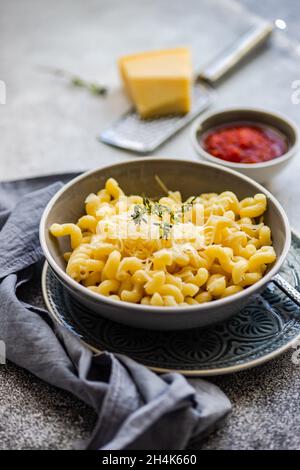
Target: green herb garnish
<point>138,214</point>
<point>155,208</point>
<point>148,204</point>
<point>76,81</point>
<point>160,210</point>
<point>164,229</point>
<point>94,88</point>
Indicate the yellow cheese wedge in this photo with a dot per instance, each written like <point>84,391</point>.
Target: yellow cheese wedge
<point>158,82</point>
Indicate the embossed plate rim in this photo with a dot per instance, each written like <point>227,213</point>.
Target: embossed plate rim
<point>190,373</point>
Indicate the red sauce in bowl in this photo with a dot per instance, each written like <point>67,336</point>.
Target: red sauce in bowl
<point>245,143</point>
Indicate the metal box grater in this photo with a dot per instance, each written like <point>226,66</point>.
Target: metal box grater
<point>145,135</point>
<point>130,132</point>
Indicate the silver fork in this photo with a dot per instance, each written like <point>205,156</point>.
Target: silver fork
<point>287,288</point>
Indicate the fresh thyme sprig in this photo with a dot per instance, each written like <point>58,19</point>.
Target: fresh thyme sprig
<point>159,210</point>
<point>138,214</point>
<point>151,208</point>
<point>184,208</point>
<point>148,204</point>
<point>93,87</point>
<point>155,208</point>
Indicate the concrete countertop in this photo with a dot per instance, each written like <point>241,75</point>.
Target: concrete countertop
<point>48,126</point>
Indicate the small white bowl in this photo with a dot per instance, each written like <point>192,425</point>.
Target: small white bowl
<point>261,172</point>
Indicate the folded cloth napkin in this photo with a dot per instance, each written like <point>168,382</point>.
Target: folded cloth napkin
<point>136,408</point>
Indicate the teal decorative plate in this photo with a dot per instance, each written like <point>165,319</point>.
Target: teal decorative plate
<point>265,328</point>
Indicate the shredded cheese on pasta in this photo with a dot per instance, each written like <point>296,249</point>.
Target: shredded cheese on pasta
<point>168,252</point>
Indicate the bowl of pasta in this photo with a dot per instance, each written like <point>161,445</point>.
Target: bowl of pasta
<point>163,243</point>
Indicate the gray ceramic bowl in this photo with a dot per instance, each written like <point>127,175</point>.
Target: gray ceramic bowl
<point>137,177</point>
<point>261,172</point>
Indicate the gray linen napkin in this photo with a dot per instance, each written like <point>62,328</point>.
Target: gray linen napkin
<point>136,408</point>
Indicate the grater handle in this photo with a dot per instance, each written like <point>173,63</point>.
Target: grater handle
<point>287,288</point>
<point>237,51</point>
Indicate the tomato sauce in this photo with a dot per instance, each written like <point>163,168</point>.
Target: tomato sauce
<point>245,143</point>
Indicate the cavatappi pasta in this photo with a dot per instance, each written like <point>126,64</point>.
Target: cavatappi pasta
<point>168,252</point>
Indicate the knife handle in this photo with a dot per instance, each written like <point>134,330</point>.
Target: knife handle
<point>237,51</point>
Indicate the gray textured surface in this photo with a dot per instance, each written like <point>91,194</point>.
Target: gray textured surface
<point>265,408</point>
<point>48,126</point>
<point>35,415</point>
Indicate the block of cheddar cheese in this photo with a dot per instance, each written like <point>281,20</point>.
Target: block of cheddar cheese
<point>158,82</point>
